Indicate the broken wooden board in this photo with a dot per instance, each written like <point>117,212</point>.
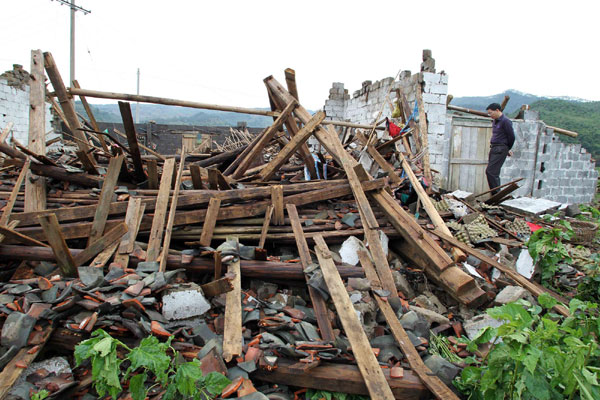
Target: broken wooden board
<point>99,245</point>
<point>172,211</point>
<point>265,227</point>
<point>367,363</point>
<point>162,202</point>
<point>55,238</point>
<point>210,221</point>
<point>232,334</point>
<point>14,194</point>
<point>134,148</point>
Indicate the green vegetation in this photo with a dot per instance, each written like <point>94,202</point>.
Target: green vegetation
<point>312,394</point>
<point>547,249</point>
<point>540,356</point>
<point>180,380</point>
<point>583,118</point>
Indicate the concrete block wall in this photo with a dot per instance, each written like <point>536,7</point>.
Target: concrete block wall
<point>365,104</point>
<point>14,107</point>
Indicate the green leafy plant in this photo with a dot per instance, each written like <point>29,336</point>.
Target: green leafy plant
<point>542,357</point>
<point>41,395</point>
<point>546,247</point>
<point>589,287</point>
<point>149,360</point>
<point>312,394</point>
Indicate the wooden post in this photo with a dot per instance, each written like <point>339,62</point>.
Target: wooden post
<point>152,166</point>
<point>232,335</point>
<point>172,211</point>
<point>162,202</point>
<point>290,81</point>
<point>277,202</point>
<point>265,227</point>
<point>423,131</point>
<point>134,149</point>
<point>35,190</point>
<point>196,177</point>
<point>210,221</point>
<point>361,348</point>
<point>55,238</point>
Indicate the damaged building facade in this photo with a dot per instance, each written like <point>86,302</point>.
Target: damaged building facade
<point>458,143</point>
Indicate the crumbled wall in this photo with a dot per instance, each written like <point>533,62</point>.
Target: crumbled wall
<point>14,105</point>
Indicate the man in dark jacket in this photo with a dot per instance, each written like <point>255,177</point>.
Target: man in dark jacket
<point>503,138</point>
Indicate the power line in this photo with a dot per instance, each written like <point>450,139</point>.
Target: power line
<point>73,6</point>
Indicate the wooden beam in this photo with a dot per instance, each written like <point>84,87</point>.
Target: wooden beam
<point>319,306</point>
<point>437,387</point>
<point>148,149</point>
<point>384,165</point>
<point>13,195</point>
<point>56,240</point>
<point>35,190</point>
<point>66,103</point>
<point>133,218</point>
<point>134,149</point>
<point>90,114</point>
<point>277,202</point>
<point>290,81</point>
<point>232,334</point>
<point>152,169</point>
<point>172,211</point>
<point>19,237</point>
<point>106,195</point>
<point>264,140</point>
<point>367,363</point>
<point>160,211</point>
<point>210,221</point>
<point>265,227</point>
<point>438,222</point>
<point>196,177</point>
<point>6,132</point>
<point>293,145</point>
<point>423,132</point>
<point>100,244</point>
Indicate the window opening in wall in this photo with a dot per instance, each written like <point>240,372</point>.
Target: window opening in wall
<point>540,184</point>
<point>542,167</point>
<point>544,149</point>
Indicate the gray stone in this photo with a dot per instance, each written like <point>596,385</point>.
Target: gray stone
<point>184,302</point>
<point>442,368</point>
<point>16,329</point>
<point>148,266</point>
<point>411,321</point>
<point>216,343</point>
<point>91,276</point>
<point>388,352</point>
<point>431,316</point>
<point>361,284</point>
<point>234,372</point>
<point>402,284</point>
<point>512,293</point>
<point>384,340</point>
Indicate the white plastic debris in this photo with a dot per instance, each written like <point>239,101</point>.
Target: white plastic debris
<point>525,264</point>
<point>457,208</point>
<point>349,250</point>
<point>470,269</point>
<point>460,194</point>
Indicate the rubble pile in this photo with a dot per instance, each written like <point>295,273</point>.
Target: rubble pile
<point>338,266</point>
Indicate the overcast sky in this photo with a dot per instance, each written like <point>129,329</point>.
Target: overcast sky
<point>220,51</point>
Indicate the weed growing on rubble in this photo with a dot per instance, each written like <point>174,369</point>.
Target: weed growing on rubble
<point>546,247</point>
<point>542,357</point>
<point>312,394</point>
<point>41,395</point>
<point>181,380</point>
<point>589,288</point>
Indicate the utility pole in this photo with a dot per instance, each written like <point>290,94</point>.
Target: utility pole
<point>74,8</point>
<point>137,104</point>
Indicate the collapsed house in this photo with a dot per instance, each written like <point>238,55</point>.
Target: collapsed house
<point>282,266</point>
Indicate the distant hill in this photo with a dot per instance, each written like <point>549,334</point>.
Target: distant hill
<point>517,99</point>
<point>162,114</point>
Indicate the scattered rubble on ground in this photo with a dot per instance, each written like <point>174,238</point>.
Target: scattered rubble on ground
<point>356,280</point>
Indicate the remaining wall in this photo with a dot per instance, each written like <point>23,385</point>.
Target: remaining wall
<point>552,169</point>
<point>14,104</point>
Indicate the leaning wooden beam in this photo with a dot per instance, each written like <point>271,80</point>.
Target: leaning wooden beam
<point>13,195</point>
<point>293,145</point>
<point>367,363</point>
<point>290,81</point>
<point>19,237</point>
<point>35,190</point>
<point>439,223</point>
<point>437,387</point>
<point>210,221</point>
<point>265,227</point>
<point>90,114</point>
<point>100,244</point>
<point>319,305</point>
<point>66,103</point>
<point>232,334</point>
<point>55,238</point>
<point>535,289</point>
<point>162,202</point>
<point>148,149</point>
<point>172,211</point>
<point>134,149</point>
<point>423,131</point>
<point>6,131</point>
<point>344,378</point>
<point>133,218</point>
<point>384,165</point>
<point>106,195</point>
<point>264,140</point>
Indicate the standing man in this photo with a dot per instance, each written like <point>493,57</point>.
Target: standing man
<point>503,138</point>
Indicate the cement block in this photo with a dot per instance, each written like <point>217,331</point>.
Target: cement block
<point>183,302</point>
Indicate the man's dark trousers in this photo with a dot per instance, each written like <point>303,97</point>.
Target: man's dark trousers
<point>498,154</point>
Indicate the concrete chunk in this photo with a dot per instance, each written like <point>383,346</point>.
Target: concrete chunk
<point>184,302</point>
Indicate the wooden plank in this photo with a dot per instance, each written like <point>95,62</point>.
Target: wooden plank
<point>19,237</point>
<point>367,363</point>
<point>265,227</point>
<point>277,202</point>
<point>13,195</point>
<point>152,169</point>
<point>160,211</point>
<point>35,190</point>
<point>319,306</point>
<point>107,241</point>
<point>67,105</point>
<point>344,378</point>
<point>6,132</point>
<point>106,195</point>
<point>423,131</point>
<point>11,225</point>
<point>384,165</point>
<point>439,223</point>
<point>172,211</point>
<point>290,81</point>
<point>90,114</point>
<point>56,240</point>
<point>213,179</point>
<point>437,387</point>
<point>210,221</point>
<point>293,145</point>
<point>196,177</point>
<point>133,218</point>
<point>264,140</point>
<point>148,149</point>
<point>232,334</point>
<point>134,148</point>
<point>535,289</point>
<point>11,372</point>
